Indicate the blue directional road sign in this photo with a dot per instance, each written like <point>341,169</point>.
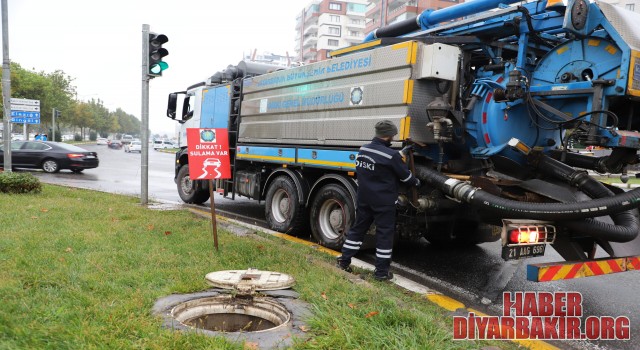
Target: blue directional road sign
<point>26,120</point>
<point>25,114</point>
<point>25,117</point>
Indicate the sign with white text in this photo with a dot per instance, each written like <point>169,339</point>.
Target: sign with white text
<point>208,151</point>
<point>24,102</point>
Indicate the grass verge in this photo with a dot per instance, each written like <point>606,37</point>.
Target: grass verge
<point>82,269</point>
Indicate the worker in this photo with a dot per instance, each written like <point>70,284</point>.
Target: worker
<point>380,170</point>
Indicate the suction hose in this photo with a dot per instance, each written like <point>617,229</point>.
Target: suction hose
<point>624,230</point>
<point>625,226</point>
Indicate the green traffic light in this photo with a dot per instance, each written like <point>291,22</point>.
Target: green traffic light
<point>155,54</point>
<point>158,67</point>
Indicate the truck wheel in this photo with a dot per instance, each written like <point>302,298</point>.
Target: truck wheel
<point>187,188</point>
<point>332,214</point>
<point>282,207</point>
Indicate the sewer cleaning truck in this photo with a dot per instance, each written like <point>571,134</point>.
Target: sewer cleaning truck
<point>487,98</point>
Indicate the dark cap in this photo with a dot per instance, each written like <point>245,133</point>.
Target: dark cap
<point>386,128</point>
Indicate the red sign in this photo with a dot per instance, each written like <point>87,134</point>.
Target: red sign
<point>208,154</point>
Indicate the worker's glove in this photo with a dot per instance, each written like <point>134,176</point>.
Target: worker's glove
<point>418,183</point>
<point>405,151</point>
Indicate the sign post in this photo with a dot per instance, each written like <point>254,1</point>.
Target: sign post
<point>208,151</point>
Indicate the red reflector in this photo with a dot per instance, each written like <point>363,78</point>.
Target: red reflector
<point>75,155</point>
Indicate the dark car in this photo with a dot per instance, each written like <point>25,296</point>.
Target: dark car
<point>50,156</point>
<point>114,144</point>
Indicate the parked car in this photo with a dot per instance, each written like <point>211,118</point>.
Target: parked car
<point>114,144</point>
<point>101,141</point>
<point>134,146</point>
<point>50,156</point>
<point>167,144</point>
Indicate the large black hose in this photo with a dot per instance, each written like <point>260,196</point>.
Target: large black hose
<point>545,211</point>
<point>599,164</point>
<point>577,160</point>
<point>398,28</point>
<point>625,226</point>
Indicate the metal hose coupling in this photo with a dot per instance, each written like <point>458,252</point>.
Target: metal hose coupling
<point>459,190</point>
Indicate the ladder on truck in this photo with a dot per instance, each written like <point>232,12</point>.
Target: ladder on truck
<point>226,185</point>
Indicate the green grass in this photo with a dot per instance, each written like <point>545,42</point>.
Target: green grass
<point>82,269</point>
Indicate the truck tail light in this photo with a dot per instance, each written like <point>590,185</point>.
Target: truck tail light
<point>527,232</point>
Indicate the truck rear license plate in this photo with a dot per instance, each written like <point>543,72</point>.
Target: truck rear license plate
<point>522,251</point>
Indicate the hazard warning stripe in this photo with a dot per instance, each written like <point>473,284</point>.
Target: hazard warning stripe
<point>575,269</point>
<point>633,263</point>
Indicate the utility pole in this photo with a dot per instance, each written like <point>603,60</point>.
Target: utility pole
<point>144,162</point>
<point>6,87</point>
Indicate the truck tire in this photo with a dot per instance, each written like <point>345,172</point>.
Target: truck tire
<point>282,207</point>
<point>187,188</point>
<point>332,214</point>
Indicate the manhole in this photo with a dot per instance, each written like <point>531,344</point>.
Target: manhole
<point>231,314</point>
<point>233,310</point>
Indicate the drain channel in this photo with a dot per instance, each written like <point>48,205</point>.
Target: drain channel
<point>229,314</point>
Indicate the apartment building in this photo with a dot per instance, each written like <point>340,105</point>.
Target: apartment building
<point>383,12</point>
<point>326,25</point>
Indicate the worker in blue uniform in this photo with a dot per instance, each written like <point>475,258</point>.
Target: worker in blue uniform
<point>380,170</point>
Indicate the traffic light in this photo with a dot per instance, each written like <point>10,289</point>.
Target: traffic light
<point>156,53</point>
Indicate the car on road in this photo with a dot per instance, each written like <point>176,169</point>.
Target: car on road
<point>50,156</point>
<point>134,146</point>
<point>114,144</point>
<point>17,137</point>
<point>101,141</point>
<point>126,139</point>
<point>158,144</point>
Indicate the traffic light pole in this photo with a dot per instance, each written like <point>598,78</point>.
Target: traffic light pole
<point>144,132</point>
<point>6,87</point>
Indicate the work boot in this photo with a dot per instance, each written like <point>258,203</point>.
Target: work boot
<point>343,265</point>
<point>382,276</point>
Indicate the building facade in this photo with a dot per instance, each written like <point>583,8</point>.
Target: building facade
<point>383,12</point>
<point>327,25</point>
<point>631,5</point>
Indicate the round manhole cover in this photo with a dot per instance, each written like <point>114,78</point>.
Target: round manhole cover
<point>259,280</point>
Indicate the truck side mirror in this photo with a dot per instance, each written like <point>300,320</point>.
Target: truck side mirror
<point>171,106</point>
<point>187,112</point>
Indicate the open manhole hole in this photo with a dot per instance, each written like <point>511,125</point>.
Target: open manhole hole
<point>232,314</point>
<point>242,311</point>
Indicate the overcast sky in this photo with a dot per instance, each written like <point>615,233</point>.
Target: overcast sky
<point>98,43</point>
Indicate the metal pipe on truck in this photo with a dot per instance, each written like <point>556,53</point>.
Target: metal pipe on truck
<point>429,18</point>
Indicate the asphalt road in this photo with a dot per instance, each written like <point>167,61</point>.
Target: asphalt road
<point>470,274</point>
